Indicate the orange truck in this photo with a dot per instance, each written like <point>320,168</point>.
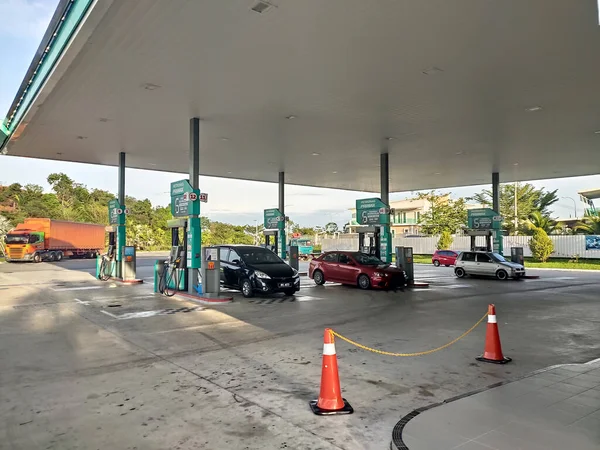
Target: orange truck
<point>39,240</point>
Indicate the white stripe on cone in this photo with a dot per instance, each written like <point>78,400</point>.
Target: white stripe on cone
<point>491,318</point>
<point>329,349</point>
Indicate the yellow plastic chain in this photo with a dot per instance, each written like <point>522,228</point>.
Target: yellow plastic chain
<point>427,352</point>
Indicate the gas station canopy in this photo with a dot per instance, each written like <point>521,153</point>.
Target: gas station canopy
<point>460,88</point>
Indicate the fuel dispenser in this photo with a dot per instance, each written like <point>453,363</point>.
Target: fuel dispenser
<point>129,263</point>
<point>171,275</point>
<point>210,273</point>
<point>271,240</point>
<point>369,241</point>
<point>487,235</point>
<point>404,259</point>
<point>516,255</point>
<point>294,257</point>
<point>106,266</point>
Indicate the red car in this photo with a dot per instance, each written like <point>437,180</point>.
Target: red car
<point>355,268</point>
<point>444,257</point>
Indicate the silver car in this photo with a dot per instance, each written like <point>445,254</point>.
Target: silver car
<point>487,264</point>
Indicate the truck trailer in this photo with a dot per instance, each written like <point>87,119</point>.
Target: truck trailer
<point>39,240</point>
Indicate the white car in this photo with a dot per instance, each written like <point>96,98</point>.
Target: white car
<point>487,264</point>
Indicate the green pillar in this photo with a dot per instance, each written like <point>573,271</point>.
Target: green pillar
<point>385,243</point>
<point>121,228</point>
<point>281,224</point>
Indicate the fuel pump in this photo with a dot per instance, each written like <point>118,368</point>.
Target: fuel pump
<point>272,240</point>
<point>170,275</point>
<point>369,239</point>
<point>106,264</point>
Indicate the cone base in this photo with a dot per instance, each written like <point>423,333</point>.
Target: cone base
<point>504,360</point>
<point>347,409</point>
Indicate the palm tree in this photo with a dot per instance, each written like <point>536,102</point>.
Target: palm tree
<point>589,225</point>
<point>539,220</point>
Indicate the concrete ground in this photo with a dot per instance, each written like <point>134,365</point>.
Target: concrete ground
<point>87,365</point>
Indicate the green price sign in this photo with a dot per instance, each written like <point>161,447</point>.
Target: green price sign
<point>484,219</point>
<point>372,211</point>
<point>115,213</point>
<point>273,219</point>
<point>184,199</point>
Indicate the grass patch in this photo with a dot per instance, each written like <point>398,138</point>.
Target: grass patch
<point>554,263</point>
<point>564,263</point>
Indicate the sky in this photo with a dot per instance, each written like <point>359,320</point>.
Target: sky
<point>20,37</point>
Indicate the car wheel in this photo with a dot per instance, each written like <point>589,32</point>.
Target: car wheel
<point>37,258</point>
<point>289,292</point>
<point>51,256</point>
<point>459,272</point>
<point>502,275</point>
<point>318,277</point>
<point>364,282</point>
<point>247,290</point>
<point>436,263</point>
<point>58,256</point>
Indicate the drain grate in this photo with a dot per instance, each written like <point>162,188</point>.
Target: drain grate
<point>114,305</point>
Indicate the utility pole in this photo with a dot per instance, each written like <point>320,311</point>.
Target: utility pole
<point>516,217</point>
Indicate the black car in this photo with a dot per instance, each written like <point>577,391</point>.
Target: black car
<point>256,269</point>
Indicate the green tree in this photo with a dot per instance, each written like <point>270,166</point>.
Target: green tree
<point>331,228</point>
<point>529,199</point>
<point>541,245</point>
<point>445,240</point>
<point>444,214</point>
<point>538,220</point>
<point>589,225</point>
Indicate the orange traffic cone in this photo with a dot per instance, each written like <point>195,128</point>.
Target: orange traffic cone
<point>492,352</point>
<point>330,400</point>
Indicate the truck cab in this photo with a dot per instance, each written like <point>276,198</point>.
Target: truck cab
<point>24,245</point>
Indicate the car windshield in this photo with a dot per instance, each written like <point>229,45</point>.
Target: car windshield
<point>16,238</point>
<point>259,256</point>
<point>498,257</point>
<point>367,260</point>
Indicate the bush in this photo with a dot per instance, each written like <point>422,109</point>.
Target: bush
<point>541,245</point>
<point>445,241</point>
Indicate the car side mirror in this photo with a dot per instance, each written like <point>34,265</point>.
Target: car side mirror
<point>236,262</point>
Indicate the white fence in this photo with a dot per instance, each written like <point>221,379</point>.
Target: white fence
<point>565,246</point>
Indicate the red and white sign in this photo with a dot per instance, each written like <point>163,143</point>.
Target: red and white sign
<point>119,211</point>
<point>203,197</point>
<point>126,210</point>
<point>193,196</point>
<point>186,196</point>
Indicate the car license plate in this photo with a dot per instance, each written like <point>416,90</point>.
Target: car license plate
<point>284,285</point>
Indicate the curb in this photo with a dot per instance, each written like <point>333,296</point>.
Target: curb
<point>205,300</point>
<point>126,282</point>
<point>397,442</point>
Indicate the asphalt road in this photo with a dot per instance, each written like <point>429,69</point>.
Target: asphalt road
<point>87,364</point>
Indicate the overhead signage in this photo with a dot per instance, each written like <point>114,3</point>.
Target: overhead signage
<point>372,211</point>
<point>484,219</point>
<point>115,213</point>
<point>182,199</point>
<point>273,219</point>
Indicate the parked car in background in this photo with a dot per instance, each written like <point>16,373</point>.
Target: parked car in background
<point>356,268</point>
<point>256,269</point>
<point>487,264</point>
<point>444,258</point>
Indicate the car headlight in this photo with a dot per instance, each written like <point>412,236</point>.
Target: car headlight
<point>379,274</point>
<point>262,275</point>
<point>295,273</point>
